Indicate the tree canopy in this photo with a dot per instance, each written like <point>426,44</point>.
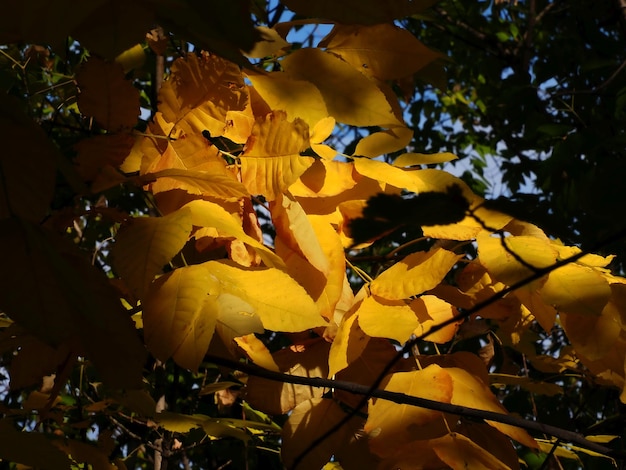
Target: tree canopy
<point>226,245</point>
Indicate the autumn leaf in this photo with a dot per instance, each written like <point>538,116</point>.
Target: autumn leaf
<point>257,351</point>
<point>350,97</point>
<point>153,240</point>
<point>106,95</point>
<point>199,93</point>
<point>414,275</point>
<point>383,51</point>
<point>271,160</point>
<point>382,142</point>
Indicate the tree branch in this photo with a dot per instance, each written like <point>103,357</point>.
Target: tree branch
<point>402,398</point>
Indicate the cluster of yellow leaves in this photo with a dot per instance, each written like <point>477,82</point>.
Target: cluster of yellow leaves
<point>228,280</point>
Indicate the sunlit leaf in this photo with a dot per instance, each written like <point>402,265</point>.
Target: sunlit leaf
<point>324,178</point>
<point>415,274</point>
<point>179,315</point>
<point>298,98</point>
<point>350,97</point>
<point>576,289</point>
<point>106,95</point>
<point>383,51</point>
<point>199,93</point>
<point>431,311</point>
<point>270,44</point>
<point>459,452</point>
<point>271,161</point>
<point>383,318</point>
<point>349,343</point>
<point>145,244</point>
<point>257,351</point>
<point>413,159</point>
<point>380,143</point>
<point>209,214</point>
<point>289,308</point>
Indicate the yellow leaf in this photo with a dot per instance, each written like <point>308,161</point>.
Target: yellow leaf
<point>271,160</point>
<point>285,308</point>
<point>473,393</point>
<point>177,422</point>
<point>415,274</point>
<point>502,263</point>
<point>533,386</point>
<point>350,97</point>
<point>382,142</point>
<point>576,289</point>
<point>179,315</point>
<point>257,351</point>
<point>298,98</point>
<point>145,244</point>
<point>431,311</point>
<point>383,318</point>
<point>325,178</point>
<point>348,345</point>
<point>209,214</point>
<point>459,453</point>
<point>593,335</point>
<point>270,44</point>
<point>199,93</point>
<point>236,318</point>
<point>106,95</point>
<point>413,159</point>
<point>391,425</point>
<point>544,313</point>
<point>383,51</point>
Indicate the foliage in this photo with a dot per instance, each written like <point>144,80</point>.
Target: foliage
<point>539,88</point>
<point>147,260</point>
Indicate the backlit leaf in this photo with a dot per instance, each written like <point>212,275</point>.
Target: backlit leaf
<point>350,97</point>
<point>459,452</point>
<point>415,274</point>
<point>413,159</point>
<point>298,98</point>
<point>289,308</point>
<point>593,335</point>
<point>145,244</point>
<point>348,345</point>
<point>199,93</point>
<point>383,51</point>
<point>257,351</point>
<point>380,143</point>
<point>271,161</point>
<point>179,315</point>
<point>383,318</point>
<point>270,44</point>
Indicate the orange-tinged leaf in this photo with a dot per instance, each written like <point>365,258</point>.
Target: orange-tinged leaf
<point>473,393</point>
<point>145,244</point>
<point>576,289</point>
<point>179,315</point>
<point>431,311</point>
<point>209,214</point>
<point>460,452</point>
<point>382,142</point>
<point>593,335</point>
<point>288,308</point>
<point>271,160</point>
<point>201,183</point>
<point>415,274</point>
<point>257,351</point>
<point>502,263</point>
<point>348,345</point>
<point>199,93</point>
<point>106,95</point>
<point>413,159</point>
<point>350,97</point>
<point>27,164</point>
<point>298,98</point>
<point>383,51</point>
<point>391,425</point>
